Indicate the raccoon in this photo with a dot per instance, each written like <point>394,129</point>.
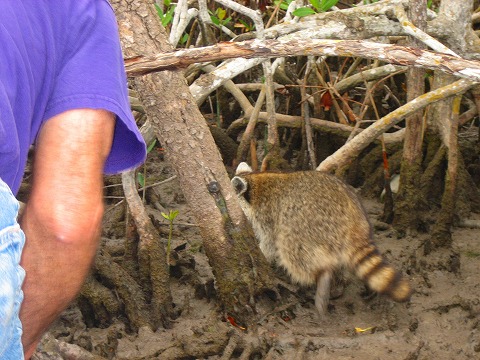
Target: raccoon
<point>311,223</point>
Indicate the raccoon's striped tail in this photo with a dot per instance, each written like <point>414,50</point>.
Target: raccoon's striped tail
<point>371,267</point>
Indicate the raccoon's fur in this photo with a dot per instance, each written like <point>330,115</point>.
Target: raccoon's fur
<point>311,223</point>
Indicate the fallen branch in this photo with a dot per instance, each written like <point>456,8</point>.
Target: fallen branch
<point>394,54</point>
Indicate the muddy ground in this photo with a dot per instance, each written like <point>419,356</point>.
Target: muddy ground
<point>441,322</point>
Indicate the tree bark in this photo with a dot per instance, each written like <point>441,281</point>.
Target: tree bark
<point>240,269</point>
<point>151,257</point>
<point>394,54</point>
<point>445,116</point>
<point>407,212</point>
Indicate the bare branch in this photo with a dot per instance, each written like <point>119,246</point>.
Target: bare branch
<point>183,16</point>
<point>394,54</point>
<point>292,121</point>
<point>358,143</point>
<point>414,31</point>
<point>351,81</point>
<point>204,86</point>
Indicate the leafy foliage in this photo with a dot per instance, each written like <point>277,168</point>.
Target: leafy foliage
<point>318,6</point>
<point>283,4</point>
<point>166,17</point>
<point>219,17</point>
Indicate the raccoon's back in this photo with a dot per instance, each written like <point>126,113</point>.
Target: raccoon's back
<point>310,217</point>
<point>310,202</point>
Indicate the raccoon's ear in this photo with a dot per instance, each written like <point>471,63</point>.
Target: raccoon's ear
<point>243,168</point>
<point>240,185</point>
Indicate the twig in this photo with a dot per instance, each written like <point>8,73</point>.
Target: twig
<point>252,121</point>
<point>414,31</point>
<point>252,14</point>
<point>469,223</point>
<point>358,143</point>
<point>205,85</point>
<point>306,115</point>
<point>181,19</point>
<point>205,18</point>
<point>292,121</point>
<point>171,178</point>
<point>272,136</point>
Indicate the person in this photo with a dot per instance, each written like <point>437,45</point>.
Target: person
<point>63,89</point>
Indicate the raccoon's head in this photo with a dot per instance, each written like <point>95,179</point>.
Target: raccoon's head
<point>240,184</point>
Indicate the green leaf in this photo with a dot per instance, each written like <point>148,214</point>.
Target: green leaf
<point>140,179</point>
<point>283,3</point>
<point>327,5</point>
<point>316,4</point>
<point>171,215</point>
<point>247,26</point>
<point>215,20</point>
<point>303,11</point>
<point>152,145</point>
<point>168,17</point>
<point>159,11</point>
<point>184,38</point>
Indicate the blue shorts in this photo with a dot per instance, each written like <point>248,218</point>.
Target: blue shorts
<point>12,274</point>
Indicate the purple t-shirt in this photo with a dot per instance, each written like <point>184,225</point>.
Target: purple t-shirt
<point>58,55</point>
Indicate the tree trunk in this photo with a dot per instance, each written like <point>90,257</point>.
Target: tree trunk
<point>442,236</point>
<point>407,212</point>
<point>152,260</point>
<point>445,116</point>
<point>240,269</point>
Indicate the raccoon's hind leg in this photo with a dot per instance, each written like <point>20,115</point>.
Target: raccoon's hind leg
<point>322,295</point>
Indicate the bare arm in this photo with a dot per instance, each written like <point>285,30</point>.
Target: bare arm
<point>63,215</point>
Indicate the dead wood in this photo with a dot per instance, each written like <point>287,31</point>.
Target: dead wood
<point>394,54</point>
